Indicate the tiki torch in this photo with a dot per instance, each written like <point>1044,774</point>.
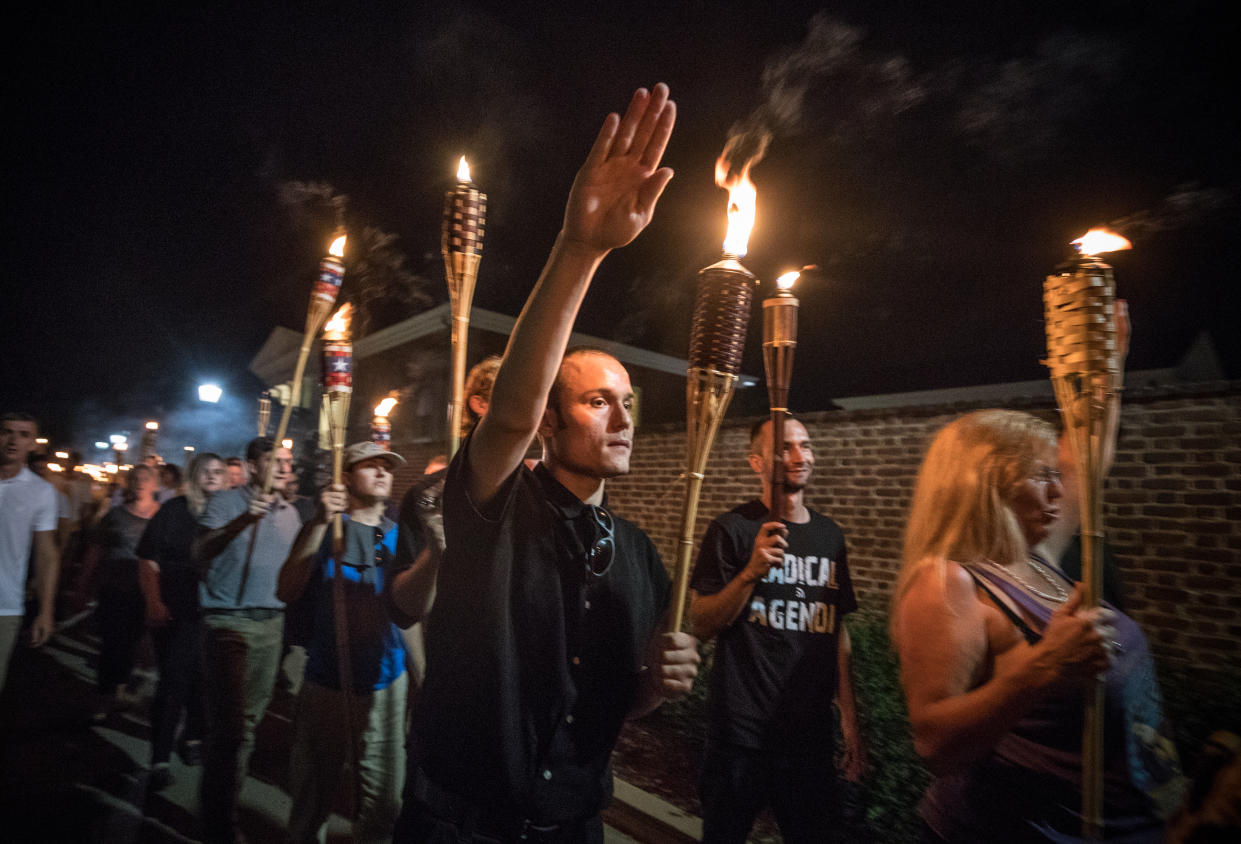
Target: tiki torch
<point>465,212</point>
<point>327,286</point>
<point>264,412</point>
<point>146,446</point>
<point>779,343</point>
<point>717,339</point>
<point>1079,306</point>
<point>381,426</point>
<point>338,387</point>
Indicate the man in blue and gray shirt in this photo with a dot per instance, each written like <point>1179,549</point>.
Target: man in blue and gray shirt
<point>245,537</point>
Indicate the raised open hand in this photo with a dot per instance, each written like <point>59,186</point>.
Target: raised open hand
<point>615,192</point>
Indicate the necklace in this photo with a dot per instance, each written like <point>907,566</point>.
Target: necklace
<point>1058,593</point>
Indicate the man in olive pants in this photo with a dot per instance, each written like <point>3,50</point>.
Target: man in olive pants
<point>246,536</point>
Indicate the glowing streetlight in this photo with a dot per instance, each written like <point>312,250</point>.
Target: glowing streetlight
<point>209,393</point>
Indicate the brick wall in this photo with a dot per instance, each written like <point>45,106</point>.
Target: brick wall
<point>1172,503</point>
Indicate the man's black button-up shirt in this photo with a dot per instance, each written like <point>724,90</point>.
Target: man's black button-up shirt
<point>532,661</point>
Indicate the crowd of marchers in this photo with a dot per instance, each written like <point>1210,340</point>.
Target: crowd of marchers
<point>463,663</point>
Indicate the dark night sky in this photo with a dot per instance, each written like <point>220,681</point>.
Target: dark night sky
<point>941,160</point>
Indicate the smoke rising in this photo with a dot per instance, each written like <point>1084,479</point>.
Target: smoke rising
<point>1188,205</point>
<point>831,55</point>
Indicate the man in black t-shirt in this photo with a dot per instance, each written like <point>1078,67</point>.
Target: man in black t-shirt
<point>546,627</point>
<point>775,593</point>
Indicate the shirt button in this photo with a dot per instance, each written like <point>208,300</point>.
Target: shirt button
<point>547,774</point>
<point>568,719</point>
<point>586,604</point>
<point>577,660</point>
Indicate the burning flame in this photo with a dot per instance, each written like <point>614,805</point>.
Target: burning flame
<point>152,426</point>
<point>1098,241</point>
<point>742,198</point>
<point>286,443</point>
<point>463,171</point>
<point>338,247</point>
<point>62,455</point>
<point>337,328</point>
<point>55,467</point>
<point>384,408</point>
<point>786,281</point>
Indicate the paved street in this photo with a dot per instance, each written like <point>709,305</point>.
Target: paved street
<point>63,779</point>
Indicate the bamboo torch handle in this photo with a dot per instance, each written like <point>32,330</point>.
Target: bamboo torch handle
<point>287,410</point>
<point>338,529</point>
<point>460,335</point>
<point>685,551</point>
<point>777,465</point>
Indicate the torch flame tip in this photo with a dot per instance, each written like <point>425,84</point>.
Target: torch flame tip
<point>338,325</point>
<point>1100,240</point>
<point>385,407</point>
<point>786,281</point>
<point>463,170</point>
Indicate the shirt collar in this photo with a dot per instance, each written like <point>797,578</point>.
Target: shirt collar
<point>564,502</point>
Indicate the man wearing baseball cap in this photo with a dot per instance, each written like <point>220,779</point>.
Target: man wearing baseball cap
<point>351,705</point>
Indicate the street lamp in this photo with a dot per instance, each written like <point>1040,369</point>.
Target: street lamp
<point>209,393</point>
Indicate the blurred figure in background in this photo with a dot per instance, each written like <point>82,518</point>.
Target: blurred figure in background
<point>28,515</point>
<point>169,583</point>
<point>238,472</point>
<point>120,614</point>
<point>169,482</point>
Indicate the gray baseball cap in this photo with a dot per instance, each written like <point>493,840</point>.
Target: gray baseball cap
<point>358,452</point>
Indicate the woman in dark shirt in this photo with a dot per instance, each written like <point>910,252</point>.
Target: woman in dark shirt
<point>119,611</point>
<point>170,592</point>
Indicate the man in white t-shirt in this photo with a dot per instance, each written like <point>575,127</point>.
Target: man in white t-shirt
<point>28,515</point>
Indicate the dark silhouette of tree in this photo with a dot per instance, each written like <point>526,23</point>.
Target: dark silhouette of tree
<point>378,280</point>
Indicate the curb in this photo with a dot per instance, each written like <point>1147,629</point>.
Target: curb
<point>648,818</point>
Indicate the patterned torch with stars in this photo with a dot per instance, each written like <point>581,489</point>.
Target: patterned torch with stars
<point>322,297</point>
<point>465,213</point>
<point>337,390</point>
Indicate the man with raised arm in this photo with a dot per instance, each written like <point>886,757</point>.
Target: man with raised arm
<point>547,627</point>
<point>775,593</point>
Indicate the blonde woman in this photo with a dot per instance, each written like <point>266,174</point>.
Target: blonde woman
<point>996,651</point>
<point>170,591</point>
